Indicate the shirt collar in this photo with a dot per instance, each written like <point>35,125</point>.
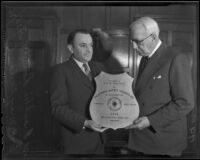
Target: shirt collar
<point>157,46</point>
<point>80,64</point>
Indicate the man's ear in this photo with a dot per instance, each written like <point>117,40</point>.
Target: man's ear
<point>70,47</point>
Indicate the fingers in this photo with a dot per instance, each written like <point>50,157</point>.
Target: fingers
<point>139,120</point>
<point>129,126</point>
<point>132,126</point>
<point>100,129</point>
<point>95,126</point>
<point>91,123</point>
<point>139,123</point>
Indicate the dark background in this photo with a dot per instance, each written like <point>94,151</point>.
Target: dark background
<point>34,38</point>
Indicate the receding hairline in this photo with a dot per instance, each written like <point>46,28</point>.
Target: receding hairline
<point>82,34</point>
<point>73,34</point>
<point>149,24</point>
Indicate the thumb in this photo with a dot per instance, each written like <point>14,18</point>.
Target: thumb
<point>137,120</point>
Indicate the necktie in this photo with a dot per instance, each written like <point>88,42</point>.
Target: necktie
<point>143,64</point>
<point>87,71</point>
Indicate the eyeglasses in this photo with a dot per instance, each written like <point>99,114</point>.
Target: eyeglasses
<point>138,42</point>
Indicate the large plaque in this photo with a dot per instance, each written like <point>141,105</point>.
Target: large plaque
<point>114,104</point>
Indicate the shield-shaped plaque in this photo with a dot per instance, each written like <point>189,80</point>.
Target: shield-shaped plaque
<point>114,104</point>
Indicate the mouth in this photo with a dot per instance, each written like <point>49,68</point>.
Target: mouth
<point>88,54</point>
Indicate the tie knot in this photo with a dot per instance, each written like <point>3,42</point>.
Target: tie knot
<point>144,61</point>
<point>86,68</point>
<point>146,58</point>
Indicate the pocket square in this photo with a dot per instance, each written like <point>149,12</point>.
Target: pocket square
<point>157,77</point>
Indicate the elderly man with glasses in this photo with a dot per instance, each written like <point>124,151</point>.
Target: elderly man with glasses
<point>164,91</point>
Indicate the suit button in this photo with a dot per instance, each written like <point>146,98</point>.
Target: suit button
<point>142,103</point>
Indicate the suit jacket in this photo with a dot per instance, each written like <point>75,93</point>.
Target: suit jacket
<point>165,95</point>
<point>71,93</point>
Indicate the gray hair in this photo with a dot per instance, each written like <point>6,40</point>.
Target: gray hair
<point>149,24</point>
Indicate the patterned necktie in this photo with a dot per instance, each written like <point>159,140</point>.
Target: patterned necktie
<point>87,71</point>
<point>143,64</point>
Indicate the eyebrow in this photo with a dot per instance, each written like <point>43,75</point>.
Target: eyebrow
<point>85,43</point>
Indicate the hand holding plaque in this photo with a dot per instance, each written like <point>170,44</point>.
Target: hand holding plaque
<point>114,104</point>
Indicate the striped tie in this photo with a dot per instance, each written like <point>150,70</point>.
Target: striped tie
<point>87,71</point>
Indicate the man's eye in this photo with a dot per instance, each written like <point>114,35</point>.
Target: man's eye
<point>83,45</point>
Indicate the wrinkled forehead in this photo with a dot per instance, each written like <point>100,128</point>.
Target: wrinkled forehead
<point>82,38</point>
<point>137,31</point>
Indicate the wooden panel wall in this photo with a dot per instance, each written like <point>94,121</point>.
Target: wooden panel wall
<point>30,51</point>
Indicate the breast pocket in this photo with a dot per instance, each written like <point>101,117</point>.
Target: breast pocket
<point>159,89</point>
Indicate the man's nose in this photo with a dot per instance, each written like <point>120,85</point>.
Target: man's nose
<point>89,48</point>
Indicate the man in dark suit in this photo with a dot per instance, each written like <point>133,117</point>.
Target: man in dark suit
<point>72,88</point>
<point>164,92</point>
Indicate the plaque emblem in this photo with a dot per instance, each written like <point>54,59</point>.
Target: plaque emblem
<point>113,104</point>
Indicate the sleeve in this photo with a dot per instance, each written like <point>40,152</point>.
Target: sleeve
<point>181,91</point>
<point>59,98</point>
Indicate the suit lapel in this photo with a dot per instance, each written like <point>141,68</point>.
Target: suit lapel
<point>78,73</point>
<point>92,68</point>
<point>153,65</point>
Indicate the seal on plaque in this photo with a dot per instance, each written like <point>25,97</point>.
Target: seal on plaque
<point>113,104</point>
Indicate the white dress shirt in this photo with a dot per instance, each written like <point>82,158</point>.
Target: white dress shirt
<point>80,64</point>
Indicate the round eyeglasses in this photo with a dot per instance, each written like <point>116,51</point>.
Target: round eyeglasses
<point>138,42</point>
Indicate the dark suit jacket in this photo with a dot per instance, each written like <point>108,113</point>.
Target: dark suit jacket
<point>71,93</point>
<point>165,95</point>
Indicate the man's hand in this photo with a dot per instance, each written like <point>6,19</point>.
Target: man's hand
<point>140,123</point>
<point>94,126</point>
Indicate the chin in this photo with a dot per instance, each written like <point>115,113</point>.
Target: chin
<point>88,59</point>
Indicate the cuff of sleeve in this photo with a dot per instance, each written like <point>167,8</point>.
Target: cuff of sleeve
<point>152,127</point>
<point>80,125</point>
<point>83,128</point>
